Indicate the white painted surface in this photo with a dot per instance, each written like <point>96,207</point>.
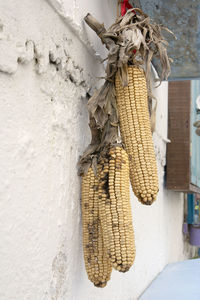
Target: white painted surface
<point>43,130</point>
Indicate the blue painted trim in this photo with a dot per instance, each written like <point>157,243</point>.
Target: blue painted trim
<point>190,208</point>
<point>195,140</point>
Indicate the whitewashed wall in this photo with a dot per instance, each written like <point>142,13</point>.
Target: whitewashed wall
<point>49,61</point>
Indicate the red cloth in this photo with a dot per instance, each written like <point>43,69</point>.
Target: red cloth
<point>125,5</point>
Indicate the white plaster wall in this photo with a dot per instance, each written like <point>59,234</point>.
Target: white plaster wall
<point>49,61</point>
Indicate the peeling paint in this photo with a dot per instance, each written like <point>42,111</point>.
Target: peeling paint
<point>13,52</point>
<point>77,29</point>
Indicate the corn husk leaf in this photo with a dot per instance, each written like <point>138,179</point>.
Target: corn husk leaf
<point>132,40</point>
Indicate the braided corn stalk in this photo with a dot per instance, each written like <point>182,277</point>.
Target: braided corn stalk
<point>115,210</point>
<point>135,128</point>
<point>97,263</point>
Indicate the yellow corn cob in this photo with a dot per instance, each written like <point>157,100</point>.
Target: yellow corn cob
<point>97,263</point>
<point>115,210</point>
<point>135,128</point>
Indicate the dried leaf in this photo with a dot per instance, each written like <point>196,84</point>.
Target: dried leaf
<point>133,31</point>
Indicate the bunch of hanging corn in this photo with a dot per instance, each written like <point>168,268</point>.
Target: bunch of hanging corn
<point>135,128</point>
<point>108,237</point>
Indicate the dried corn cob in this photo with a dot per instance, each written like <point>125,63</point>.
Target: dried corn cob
<point>132,104</point>
<point>97,263</point>
<point>115,209</point>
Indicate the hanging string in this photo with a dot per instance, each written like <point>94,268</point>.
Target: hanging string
<point>124,6</point>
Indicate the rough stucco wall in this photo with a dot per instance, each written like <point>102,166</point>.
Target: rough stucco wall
<point>47,72</point>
